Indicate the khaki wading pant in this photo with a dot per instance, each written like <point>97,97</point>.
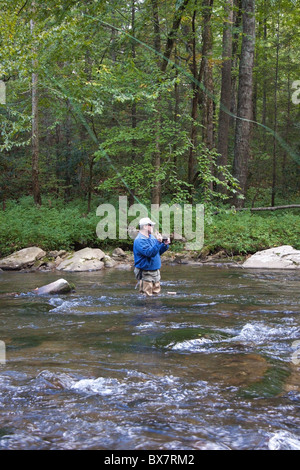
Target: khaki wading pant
<point>150,282</point>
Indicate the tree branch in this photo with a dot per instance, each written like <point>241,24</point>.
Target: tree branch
<point>22,8</point>
<point>172,34</point>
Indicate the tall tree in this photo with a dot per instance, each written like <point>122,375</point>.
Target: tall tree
<point>237,22</point>
<point>201,99</point>
<point>125,95</point>
<point>133,106</point>
<point>194,110</point>
<point>156,190</point>
<point>171,39</point>
<point>264,104</point>
<point>163,63</point>
<point>224,117</point>
<point>244,110</point>
<point>35,125</point>
<point>274,166</point>
<point>206,63</point>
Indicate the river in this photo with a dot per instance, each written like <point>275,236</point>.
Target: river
<point>212,365</point>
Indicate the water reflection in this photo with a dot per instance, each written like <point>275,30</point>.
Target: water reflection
<point>103,368</point>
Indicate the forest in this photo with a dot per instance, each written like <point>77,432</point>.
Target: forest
<point>161,100</point>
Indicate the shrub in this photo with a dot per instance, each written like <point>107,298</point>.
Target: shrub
<point>66,226</point>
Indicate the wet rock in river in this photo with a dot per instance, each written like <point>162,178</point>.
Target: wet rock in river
<point>281,257</point>
<point>109,262</point>
<point>54,380</point>
<point>87,259</point>
<point>118,254</point>
<point>22,259</point>
<point>61,286</point>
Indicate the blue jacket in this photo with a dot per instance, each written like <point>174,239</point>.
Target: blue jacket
<point>147,252</point>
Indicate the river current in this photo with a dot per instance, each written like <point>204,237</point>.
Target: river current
<point>211,363</point>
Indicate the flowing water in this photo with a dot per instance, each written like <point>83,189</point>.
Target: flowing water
<point>214,366</point>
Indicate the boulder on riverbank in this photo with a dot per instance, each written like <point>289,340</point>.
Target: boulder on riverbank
<point>61,286</point>
<point>22,259</point>
<point>281,257</point>
<point>87,259</point>
<point>94,259</point>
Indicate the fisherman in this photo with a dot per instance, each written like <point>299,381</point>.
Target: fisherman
<point>147,249</point>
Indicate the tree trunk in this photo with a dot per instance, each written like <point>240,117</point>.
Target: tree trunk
<point>133,107</point>
<point>156,193</point>
<point>264,100</point>
<point>204,102</point>
<point>274,166</point>
<point>194,111</point>
<point>207,103</point>
<point>90,183</point>
<point>224,118</point>
<point>176,107</point>
<point>35,129</point>
<point>68,153</point>
<point>156,190</point>
<point>244,111</point>
<point>35,143</point>
<point>173,33</point>
<point>237,20</point>
<point>288,123</point>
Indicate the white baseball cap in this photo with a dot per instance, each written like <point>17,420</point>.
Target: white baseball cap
<point>146,221</point>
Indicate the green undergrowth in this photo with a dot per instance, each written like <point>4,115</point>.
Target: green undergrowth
<point>246,232</point>
<point>67,226</point>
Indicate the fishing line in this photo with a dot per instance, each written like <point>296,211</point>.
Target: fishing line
<point>213,97</point>
<point>282,142</point>
<point>81,117</point>
<point>199,84</point>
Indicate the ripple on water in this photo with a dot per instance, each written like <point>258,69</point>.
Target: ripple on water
<point>208,368</point>
<point>87,305</point>
<point>284,440</point>
<point>258,335</point>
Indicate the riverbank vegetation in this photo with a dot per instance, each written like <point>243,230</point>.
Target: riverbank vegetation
<point>57,225</point>
<point>161,101</point>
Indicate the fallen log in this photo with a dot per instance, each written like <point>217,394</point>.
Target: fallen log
<point>274,208</point>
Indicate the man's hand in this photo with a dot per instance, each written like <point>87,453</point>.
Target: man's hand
<point>158,236</point>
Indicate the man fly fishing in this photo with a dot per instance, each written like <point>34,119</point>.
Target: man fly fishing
<point>147,250</point>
